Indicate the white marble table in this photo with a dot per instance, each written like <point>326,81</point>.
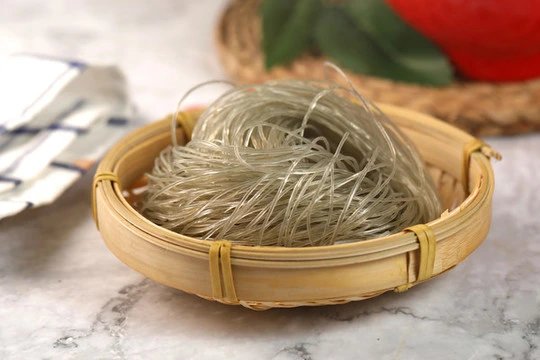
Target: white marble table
<point>63,295</point>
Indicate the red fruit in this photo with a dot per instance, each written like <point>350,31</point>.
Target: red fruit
<point>494,40</point>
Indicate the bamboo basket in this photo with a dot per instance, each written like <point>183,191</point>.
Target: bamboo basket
<point>481,108</point>
<point>265,277</point>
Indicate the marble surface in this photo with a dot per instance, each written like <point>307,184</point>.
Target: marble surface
<point>63,295</point>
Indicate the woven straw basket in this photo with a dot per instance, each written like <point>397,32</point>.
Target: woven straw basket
<point>480,108</point>
<point>265,277</point>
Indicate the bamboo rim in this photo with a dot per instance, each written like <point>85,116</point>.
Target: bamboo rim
<point>131,157</point>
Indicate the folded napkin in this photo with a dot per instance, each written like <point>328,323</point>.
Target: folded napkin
<point>57,118</point>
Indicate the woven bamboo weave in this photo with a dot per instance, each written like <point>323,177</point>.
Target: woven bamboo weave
<point>480,108</point>
<point>264,277</point>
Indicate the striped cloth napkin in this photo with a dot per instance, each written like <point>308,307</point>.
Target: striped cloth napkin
<point>57,118</point>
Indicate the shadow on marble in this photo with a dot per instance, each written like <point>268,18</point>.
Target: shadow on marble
<point>215,317</point>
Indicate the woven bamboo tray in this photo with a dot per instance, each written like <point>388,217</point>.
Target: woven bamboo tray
<point>480,108</point>
<point>265,277</point>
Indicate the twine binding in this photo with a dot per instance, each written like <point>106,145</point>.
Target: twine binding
<point>473,146</point>
<point>428,245</point>
<point>219,258</point>
<point>106,175</point>
<point>187,121</point>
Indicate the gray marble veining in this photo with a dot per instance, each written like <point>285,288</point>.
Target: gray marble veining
<point>63,295</point>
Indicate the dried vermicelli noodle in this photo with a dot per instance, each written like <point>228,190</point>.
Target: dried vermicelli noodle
<point>291,163</point>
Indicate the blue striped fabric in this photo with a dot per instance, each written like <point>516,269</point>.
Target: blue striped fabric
<point>66,121</point>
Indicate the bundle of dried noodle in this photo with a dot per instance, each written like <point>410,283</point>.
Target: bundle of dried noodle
<point>291,163</point>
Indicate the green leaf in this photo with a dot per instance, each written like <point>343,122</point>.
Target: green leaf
<point>366,37</point>
<point>288,28</point>
<point>398,39</point>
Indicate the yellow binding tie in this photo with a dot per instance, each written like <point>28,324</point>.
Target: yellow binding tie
<point>187,120</point>
<point>427,243</point>
<point>221,276</point>
<point>106,175</point>
<point>473,146</point>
